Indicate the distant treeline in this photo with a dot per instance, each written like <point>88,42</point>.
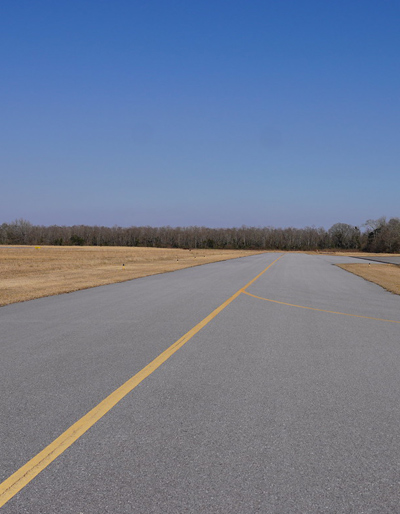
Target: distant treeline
<point>376,236</point>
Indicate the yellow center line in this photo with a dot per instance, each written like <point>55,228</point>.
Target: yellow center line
<point>320,310</point>
<point>12,485</point>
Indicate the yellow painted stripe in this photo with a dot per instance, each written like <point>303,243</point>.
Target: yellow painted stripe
<point>320,310</point>
<point>12,485</point>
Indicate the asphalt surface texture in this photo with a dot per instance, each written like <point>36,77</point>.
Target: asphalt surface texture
<point>287,401</point>
<point>393,259</point>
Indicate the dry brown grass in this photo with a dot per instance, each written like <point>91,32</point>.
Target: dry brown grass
<point>385,275</point>
<point>28,272</point>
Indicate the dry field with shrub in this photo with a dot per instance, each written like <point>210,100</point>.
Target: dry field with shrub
<point>385,275</point>
<point>28,272</point>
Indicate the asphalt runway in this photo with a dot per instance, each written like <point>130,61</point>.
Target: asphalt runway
<point>286,401</point>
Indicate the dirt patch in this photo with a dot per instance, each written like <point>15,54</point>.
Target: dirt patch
<point>385,275</point>
<point>28,272</point>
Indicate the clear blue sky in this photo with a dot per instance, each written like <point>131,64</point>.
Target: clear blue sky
<point>217,113</point>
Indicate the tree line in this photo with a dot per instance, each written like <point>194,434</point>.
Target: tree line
<point>374,236</point>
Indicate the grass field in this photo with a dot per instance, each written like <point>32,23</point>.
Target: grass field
<point>28,272</point>
<point>385,275</point>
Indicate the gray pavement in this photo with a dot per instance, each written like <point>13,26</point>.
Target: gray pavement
<point>393,259</point>
<point>269,408</point>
